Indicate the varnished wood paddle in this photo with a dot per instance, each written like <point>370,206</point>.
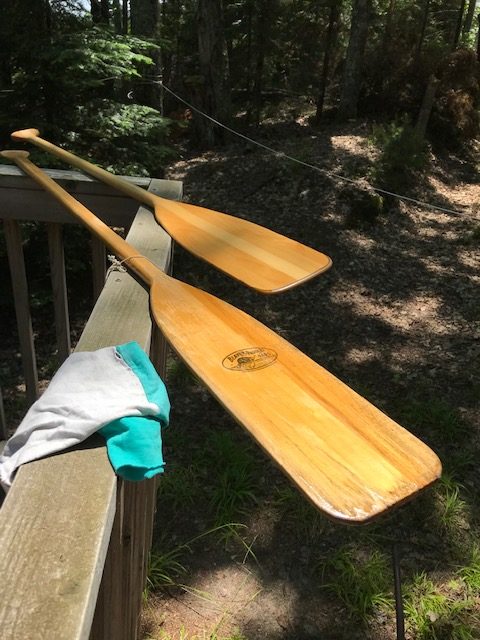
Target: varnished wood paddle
<point>350,459</point>
<point>258,257</point>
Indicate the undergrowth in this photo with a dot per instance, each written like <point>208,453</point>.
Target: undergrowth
<point>219,489</point>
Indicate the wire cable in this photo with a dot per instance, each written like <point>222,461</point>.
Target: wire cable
<point>330,174</point>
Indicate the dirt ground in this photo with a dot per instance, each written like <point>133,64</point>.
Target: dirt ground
<point>397,318</point>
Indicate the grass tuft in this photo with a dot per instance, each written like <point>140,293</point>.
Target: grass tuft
<point>234,486</point>
<point>470,573</point>
<point>434,415</point>
<point>302,516</point>
<point>436,614</point>
<point>362,581</point>
<point>452,509</point>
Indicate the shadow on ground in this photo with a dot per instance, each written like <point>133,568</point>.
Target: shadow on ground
<point>397,318</point>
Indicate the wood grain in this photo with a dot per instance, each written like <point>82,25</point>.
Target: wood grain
<point>59,289</point>
<point>99,261</point>
<point>254,255</point>
<point>350,460</point>
<point>56,523</point>
<point>22,199</point>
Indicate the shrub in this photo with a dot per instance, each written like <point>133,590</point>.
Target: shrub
<point>403,155</point>
<point>455,118</point>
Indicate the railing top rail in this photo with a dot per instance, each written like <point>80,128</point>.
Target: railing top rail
<point>22,199</point>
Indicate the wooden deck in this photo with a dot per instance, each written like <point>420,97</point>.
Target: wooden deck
<point>74,538</point>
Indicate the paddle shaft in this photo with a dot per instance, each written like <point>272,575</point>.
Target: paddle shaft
<point>140,265</point>
<point>129,189</point>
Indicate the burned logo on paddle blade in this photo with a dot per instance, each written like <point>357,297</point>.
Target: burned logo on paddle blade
<point>250,359</point>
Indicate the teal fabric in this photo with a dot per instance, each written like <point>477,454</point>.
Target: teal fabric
<point>134,446</point>
<point>134,443</point>
<point>152,384</point>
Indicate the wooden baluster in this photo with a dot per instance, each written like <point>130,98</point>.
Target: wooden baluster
<point>98,265</point>
<point>3,422</point>
<point>59,289</point>
<point>13,240</point>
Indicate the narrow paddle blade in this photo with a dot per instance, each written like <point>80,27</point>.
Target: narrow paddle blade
<point>256,256</point>
<point>349,458</point>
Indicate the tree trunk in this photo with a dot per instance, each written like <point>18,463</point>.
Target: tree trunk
<point>478,38</point>
<point>262,36</point>
<point>117,16</point>
<point>467,25</point>
<point>458,28</point>
<point>352,75</point>
<point>100,11</point>
<point>144,17</point>
<point>330,39</point>
<point>248,62</point>
<point>423,29</point>
<point>426,108</point>
<point>213,97</point>
<point>125,16</point>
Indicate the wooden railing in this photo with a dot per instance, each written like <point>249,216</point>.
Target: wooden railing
<point>75,539</point>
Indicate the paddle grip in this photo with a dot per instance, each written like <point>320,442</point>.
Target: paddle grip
<point>131,190</point>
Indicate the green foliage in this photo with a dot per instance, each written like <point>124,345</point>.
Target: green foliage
<point>234,487</point>
<point>180,488</point>
<point>302,516</point>
<point>403,155</point>
<point>165,568</point>
<point>438,615</point>
<point>361,580</point>
<point>178,373</point>
<point>80,86</point>
<point>126,138</point>
<point>364,204</point>
<point>428,414</point>
<point>470,573</point>
<point>93,56</point>
<point>452,509</point>
<point>225,492</point>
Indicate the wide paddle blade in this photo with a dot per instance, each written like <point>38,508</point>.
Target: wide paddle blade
<point>349,458</point>
<point>258,257</point>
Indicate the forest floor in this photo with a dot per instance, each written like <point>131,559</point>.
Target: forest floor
<point>238,552</point>
<point>398,319</point>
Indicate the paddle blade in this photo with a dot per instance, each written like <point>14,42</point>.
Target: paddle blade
<point>350,459</point>
<point>254,255</point>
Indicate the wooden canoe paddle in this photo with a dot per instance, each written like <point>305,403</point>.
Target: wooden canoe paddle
<point>349,458</point>
<point>258,257</point>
